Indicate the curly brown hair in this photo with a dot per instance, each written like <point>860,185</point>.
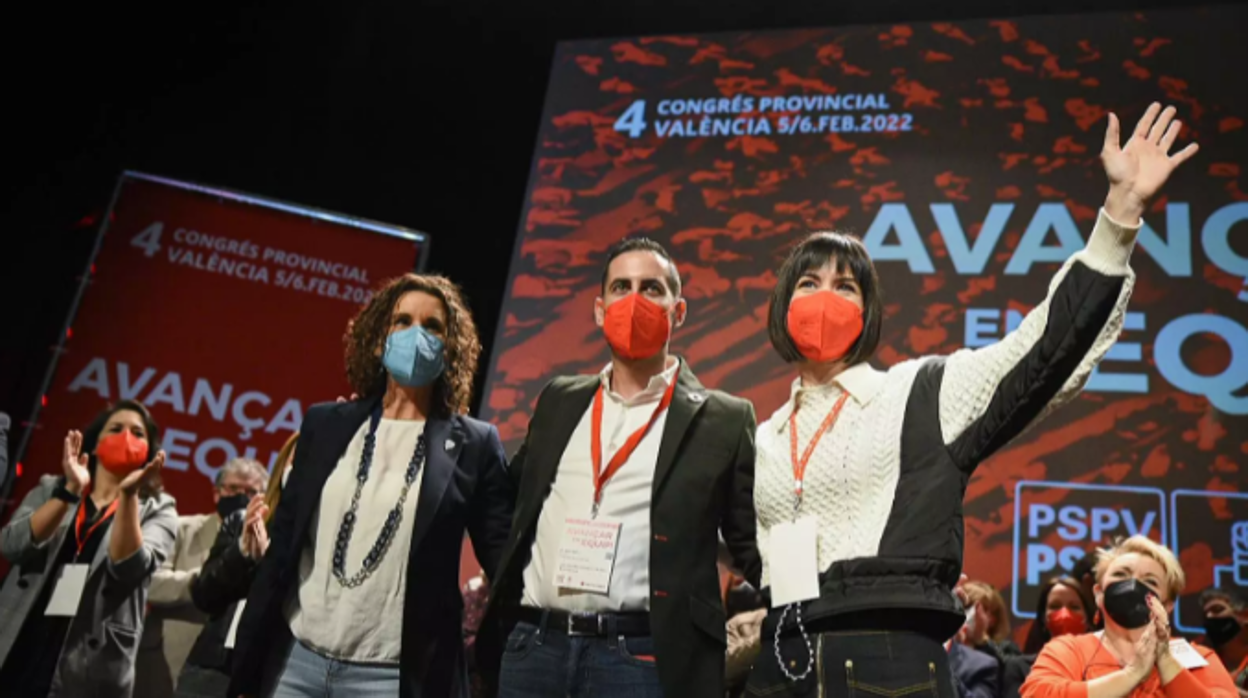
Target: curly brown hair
<point>367,332</point>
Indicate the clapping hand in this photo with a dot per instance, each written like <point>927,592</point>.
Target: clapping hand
<point>74,463</point>
<point>134,480</point>
<point>255,541</point>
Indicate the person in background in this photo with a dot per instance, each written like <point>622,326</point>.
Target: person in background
<point>1226,631</point>
<point>990,631</point>
<point>84,547</point>
<point>664,467</point>
<point>976,674</point>
<point>879,509</point>
<point>358,591</point>
<point>1137,583</point>
<point>223,582</point>
<point>1061,609</point>
<point>1084,572</point>
<point>173,621</point>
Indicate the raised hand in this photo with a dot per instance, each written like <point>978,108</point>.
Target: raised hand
<point>1138,170</point>
<point>1145,653</point>
<point>255,535</point>
<point>134,480</point>
<point>74,463</point>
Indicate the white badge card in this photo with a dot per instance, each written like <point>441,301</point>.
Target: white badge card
<point>1186,655</point>
<point>587,554</point>
<point>793,558</point>
<point>68,592</point>
<point>233,632</point>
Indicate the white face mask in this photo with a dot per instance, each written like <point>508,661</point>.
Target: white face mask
<point>285,475</point>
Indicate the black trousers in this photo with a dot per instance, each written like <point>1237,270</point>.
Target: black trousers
<point>854,664</point>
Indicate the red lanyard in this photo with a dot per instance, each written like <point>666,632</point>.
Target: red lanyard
<point>82,519</point>
<point>799,466</point>
<point>595,437</point>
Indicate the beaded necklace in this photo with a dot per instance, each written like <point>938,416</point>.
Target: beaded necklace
<point>374,557</point>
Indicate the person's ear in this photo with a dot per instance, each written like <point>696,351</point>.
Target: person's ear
<point>679,312</point>
<point>600,311</point>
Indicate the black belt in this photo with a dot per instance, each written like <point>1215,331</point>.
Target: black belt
<point>635,624</point>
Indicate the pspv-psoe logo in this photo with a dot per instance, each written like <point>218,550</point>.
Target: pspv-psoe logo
<point>1213,526</point>
<point>1057,523</point>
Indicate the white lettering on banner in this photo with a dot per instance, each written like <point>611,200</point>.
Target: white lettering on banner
<point>240,414</point>
<point>128,390</point>
<point>183,448</point>
<point>169,390</point>
<point>176,452</point>
<point>319,266</point>
<point>288,418</point>
<point>93,375</point>
<point>218,254</point>
<point>1173,254</point>
<point>216,403</point>
<point>1031,247</point>
<point>983,328</point>
<point>149,239</point>
<point>194,238</point>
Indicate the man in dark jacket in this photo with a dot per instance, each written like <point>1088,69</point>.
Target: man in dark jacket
<point>645,462</point>
<point>219,589</point>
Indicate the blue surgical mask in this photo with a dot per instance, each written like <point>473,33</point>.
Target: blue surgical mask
<point>413,357</point>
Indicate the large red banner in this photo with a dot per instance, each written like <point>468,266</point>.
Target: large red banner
<point>965,154</point>
<point>224,314</point>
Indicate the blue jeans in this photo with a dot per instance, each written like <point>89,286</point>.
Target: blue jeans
<point>543,664</point>
<point>309,675</point>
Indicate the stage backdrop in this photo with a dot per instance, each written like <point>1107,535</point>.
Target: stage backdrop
<point>224,314</point>
<point>965,154</point>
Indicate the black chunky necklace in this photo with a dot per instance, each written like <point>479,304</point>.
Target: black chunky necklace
<point>374,557</point>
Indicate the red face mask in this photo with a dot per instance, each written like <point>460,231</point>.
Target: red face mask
<point>824,325</point>
<point>121,453</point>
<point>636,327</point>
<point>1063,621</point>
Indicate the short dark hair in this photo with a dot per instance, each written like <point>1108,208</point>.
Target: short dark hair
<point>1233,598</point>
<point>1086,565</point>
<point>812,253</point>
<point>640,244</point>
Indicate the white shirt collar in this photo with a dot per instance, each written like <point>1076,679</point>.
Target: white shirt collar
<point>654,390</point>
<point>861,381</point>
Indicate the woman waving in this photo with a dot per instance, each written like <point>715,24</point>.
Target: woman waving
<point>861,474</point>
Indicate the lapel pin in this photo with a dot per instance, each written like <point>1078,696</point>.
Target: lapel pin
<point>449,445</point>
<point>695,398</point>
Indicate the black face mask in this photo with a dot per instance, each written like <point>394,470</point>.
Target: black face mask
<point>1221,630</point>
<point>231,504</point>
<point>1126,601</point>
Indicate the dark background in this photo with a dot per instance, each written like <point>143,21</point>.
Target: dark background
<point>421,114</point>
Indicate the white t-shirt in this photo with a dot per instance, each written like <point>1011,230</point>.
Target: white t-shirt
<point>364,623</point>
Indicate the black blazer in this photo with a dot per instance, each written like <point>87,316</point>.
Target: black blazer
<point>465,486</point>
<point>703,484</point>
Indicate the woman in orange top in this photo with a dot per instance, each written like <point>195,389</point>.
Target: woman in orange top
<point>1137,582</point>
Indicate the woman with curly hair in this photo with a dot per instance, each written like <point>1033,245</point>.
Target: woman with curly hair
<point>358,592</point>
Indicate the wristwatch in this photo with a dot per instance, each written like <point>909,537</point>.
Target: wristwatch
<point>63,494</point>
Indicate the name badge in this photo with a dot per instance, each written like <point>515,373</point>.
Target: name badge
<point>233,632</point>
<point>68,591</point>
<point>793,558</point>
<point>1186,655</point>
<point>586,555</point>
